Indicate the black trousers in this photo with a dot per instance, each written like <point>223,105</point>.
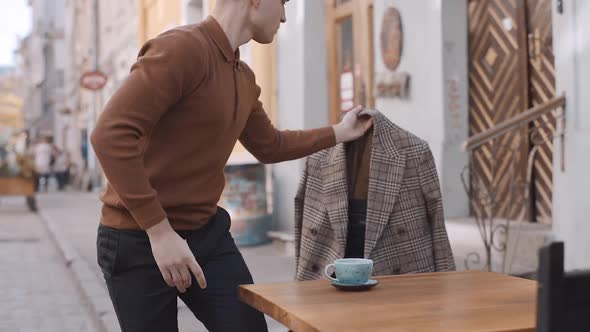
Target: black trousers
<point>144,302</point>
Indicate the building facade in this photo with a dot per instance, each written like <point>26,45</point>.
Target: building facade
<point>447,71</point>
<point>43,65</point>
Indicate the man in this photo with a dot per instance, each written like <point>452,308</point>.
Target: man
<point>163,141</point>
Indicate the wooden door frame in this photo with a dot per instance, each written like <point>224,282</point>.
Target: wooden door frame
<point>363,67</point>
<point>542,88</point>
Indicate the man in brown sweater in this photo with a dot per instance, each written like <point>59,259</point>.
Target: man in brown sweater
<point>163,141</point>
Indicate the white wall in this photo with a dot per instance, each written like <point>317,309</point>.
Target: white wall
<point>421,57</point>
<point>435,57</point>
<point>302,93</point>
<point>435,53</point>
<point>455,83</point>
<point>571,38</point>
<point>59,26</point>
<point>60,51</point>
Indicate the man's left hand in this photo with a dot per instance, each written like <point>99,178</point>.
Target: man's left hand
<point>352,127</point>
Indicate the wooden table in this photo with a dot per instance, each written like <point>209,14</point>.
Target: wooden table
<point>457,301</point>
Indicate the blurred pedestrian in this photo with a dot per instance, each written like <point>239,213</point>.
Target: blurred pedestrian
<point>42,152</point>
<point>61,168</point>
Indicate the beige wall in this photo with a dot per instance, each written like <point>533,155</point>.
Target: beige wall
<point>157,16</point>
<point>264,64</point>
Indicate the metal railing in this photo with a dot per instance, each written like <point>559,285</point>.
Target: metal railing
<point>493,228</point>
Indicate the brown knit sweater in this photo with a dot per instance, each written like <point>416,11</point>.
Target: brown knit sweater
<point>165,136</point>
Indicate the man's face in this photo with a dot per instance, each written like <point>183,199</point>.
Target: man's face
<point>266,17</point>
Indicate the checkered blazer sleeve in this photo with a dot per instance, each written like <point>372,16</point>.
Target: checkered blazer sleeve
<point>443,255</point>
<point>299,198</point>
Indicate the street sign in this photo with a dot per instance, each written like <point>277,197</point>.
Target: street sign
<point>93,80</point>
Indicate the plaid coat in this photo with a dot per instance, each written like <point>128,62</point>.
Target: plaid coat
<point>405,229</point>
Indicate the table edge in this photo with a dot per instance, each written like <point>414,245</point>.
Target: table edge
<point>247,296</point>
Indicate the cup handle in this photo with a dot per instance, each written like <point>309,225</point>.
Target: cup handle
<point>329,275</point>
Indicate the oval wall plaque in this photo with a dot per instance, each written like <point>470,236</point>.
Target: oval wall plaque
<point>391,38</point>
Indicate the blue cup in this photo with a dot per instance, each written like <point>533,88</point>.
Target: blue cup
<point>351,271</point>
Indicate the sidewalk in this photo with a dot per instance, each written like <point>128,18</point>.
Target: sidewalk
<point>74,218</point>
<point>37,290</point>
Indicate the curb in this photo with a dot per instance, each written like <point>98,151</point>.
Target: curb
<point>92,289</point>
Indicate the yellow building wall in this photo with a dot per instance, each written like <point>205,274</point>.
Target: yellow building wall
<point>157,16</point>
<point>264,65</point>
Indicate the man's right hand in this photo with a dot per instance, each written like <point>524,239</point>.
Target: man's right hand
<point>174,257</point>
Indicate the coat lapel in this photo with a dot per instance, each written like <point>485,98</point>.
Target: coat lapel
<point>385,178</point>
<point>335,192</point>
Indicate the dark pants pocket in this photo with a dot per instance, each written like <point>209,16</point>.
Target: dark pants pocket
<point>107,245</point>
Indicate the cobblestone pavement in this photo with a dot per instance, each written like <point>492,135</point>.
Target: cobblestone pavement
<point>37,289</point>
